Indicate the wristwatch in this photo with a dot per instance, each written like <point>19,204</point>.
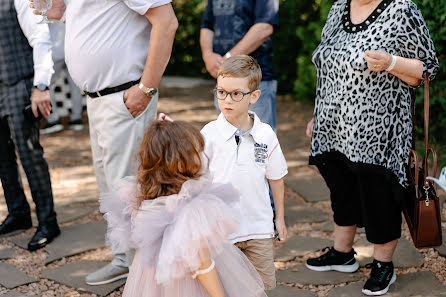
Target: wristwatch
<point>42,87</point>
<point>148,91</point>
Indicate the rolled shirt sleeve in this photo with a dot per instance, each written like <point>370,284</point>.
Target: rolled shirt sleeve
<point>208,17</point>
<point>415,41</point>
<point>39,39</point>
<point>142,6</point>
<point>267,11</point>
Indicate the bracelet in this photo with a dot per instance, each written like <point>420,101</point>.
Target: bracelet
<point>392,65</point>
<point>205,270</point>
<point>228,55</point>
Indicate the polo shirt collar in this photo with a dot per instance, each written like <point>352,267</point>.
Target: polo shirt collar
<point>227,130</point>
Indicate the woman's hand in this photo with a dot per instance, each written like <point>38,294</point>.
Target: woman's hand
<point>309,131</point>
<point>378,60</point>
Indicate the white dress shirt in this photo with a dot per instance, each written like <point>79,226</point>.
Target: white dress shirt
<point>247,166</point>
<point>38,36</point>
<point>107,41</point>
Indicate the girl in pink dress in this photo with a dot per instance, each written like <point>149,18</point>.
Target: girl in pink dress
<point>178,222</point>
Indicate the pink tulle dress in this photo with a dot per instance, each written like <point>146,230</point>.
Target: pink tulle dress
<point>168,233</point>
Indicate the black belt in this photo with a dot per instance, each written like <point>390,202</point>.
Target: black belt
<point>111,90</point>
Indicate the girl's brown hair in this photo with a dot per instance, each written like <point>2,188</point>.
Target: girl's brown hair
<point>169,155</point>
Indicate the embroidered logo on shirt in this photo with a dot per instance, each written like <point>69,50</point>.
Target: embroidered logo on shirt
<point>260,152</point>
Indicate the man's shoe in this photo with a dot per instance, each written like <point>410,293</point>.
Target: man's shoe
<point>381,277</point>
<point>15,224</point>
<point>43,236</point>
<point>334,260</point>
<point>107,274</point>
<point>76,125</point>
<point>51,128</point>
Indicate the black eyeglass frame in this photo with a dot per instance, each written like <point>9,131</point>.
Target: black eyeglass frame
<point>230,93</point>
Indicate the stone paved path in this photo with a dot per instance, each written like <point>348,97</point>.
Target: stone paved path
<point>59,269</point>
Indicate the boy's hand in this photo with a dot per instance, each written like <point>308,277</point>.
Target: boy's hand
<point>281,228</point>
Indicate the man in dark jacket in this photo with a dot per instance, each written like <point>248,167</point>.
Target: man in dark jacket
<point>25,53</point>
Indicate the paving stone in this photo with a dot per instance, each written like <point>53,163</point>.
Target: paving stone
<point>406,255</point>
<point>442,249</point>
<point>7,253</point>
<point>418,284</point>
<point>10,277</point>
<point>290,140</point>
<point>298,246</point>
<point>311,187</point>
<point>301,275</point>
<point>282,291</point>
<point>329,227</point>
<point>69,213</point>
<point>73,275</point>
<point>72,240</point>
<point>16,294</point>
<point>297,212</point>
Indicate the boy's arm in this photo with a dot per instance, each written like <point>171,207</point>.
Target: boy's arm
<point>278,191</point>
<point>210,280</point>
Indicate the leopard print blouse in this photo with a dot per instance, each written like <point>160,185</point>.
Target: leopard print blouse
<point>365,115</point>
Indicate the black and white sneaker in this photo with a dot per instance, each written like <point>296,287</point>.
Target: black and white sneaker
<point>76,125</point>
<point>51,128</point>
<point>334,260</point>
<point>381,277</point>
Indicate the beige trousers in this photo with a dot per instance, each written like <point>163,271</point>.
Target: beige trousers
<point>115,138</point>
<point>260,253</point>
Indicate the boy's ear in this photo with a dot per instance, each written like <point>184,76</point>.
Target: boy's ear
<point>255,96</point>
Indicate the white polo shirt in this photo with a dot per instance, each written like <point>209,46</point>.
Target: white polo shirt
<point>107,41</point>
<point>247,166</point>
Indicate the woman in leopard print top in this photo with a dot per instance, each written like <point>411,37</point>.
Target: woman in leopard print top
<point>372,53</point>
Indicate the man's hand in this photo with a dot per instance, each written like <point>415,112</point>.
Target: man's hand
<point>309,130</point>
<point>40,101</point>
<point>136,100</point>
<point>56,12</point>
<point>212,62</point>
<point>281,228</point>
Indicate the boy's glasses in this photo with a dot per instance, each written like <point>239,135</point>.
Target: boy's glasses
<point>236,96</point>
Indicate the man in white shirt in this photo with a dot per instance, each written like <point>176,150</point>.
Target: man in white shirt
<point>109,56</point>
<point>25,52</point>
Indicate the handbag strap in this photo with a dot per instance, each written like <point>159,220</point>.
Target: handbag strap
<point>426,133</point>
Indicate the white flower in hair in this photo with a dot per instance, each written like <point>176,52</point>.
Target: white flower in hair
<point>441,181</point>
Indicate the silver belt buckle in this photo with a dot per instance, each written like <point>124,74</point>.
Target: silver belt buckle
<point>99,94</point>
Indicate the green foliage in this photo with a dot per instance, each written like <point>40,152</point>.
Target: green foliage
<point>301,23</point>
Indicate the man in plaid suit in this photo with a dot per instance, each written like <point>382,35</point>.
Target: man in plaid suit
<point>25,52</point>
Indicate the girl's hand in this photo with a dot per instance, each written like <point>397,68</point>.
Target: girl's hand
<point>56,12</point>
<point>281,228</point>
<point>309,131</point>
<point>378,60</point>
<point>164,117</point>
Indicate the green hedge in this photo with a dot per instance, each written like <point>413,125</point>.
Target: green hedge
<point>296,38</point>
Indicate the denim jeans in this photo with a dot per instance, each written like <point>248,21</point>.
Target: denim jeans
<point>265,107</point>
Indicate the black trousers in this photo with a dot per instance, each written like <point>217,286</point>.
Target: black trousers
<point>18,134</point>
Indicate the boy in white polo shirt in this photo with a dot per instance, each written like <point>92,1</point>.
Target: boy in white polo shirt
<point>246,152</point>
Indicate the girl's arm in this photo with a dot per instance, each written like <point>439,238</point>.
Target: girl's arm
<point>210,280</point>
<point>278,191</point>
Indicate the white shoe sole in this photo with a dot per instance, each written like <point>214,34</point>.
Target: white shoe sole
<point>340,268</point>
<point>104,282</point>
<point>383,291</point>
<point>76,127</point>
<point>53,129</point>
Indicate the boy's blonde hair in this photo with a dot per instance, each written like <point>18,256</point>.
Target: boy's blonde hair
<point>242,66</point>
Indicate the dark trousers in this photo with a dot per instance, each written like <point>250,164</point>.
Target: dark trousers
<point>18,134</point>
